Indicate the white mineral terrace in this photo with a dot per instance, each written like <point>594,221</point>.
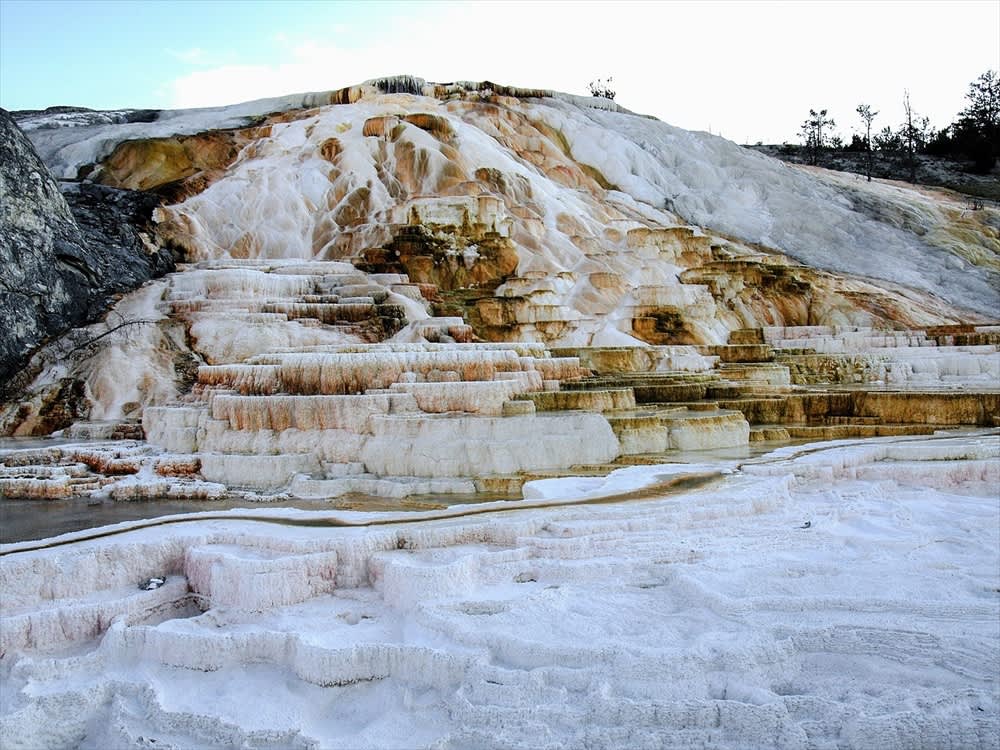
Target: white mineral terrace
<point>400,419</point>
<point>899,357</point>
<point>838,595</point>
<point>294,402</point>
<point>406,411</point>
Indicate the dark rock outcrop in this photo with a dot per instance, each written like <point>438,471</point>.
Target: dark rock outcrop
<point>68,117</point>
<point>63,258</point>
<point>118,223</point>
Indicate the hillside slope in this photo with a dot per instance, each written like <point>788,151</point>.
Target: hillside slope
<point>330,182</point>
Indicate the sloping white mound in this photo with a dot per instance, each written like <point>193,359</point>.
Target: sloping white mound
<point>812,216</point>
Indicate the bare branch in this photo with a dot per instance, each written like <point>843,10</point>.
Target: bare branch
<point>125,324</point>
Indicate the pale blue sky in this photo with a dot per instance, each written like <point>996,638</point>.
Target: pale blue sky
<point>747,70</point>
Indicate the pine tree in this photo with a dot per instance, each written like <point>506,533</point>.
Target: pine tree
<point>977,132</point>
<point>984,102</point>
<point>812,133</point>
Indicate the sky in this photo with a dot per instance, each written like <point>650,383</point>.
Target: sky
<point>749,71</point>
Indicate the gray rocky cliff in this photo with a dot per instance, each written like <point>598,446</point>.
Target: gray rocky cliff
<point>63,258</point>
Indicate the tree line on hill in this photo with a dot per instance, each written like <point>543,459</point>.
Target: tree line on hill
<point>974,137</point>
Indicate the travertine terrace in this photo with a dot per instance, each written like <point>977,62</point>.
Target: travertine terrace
<point>407,288</point>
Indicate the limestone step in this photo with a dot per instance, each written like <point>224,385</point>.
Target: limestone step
<point>667,392</point>
<point>595,470</point>
<point>677,406</point>
<point>603,400</point>
<point>793,351</point>
<point>621,360</point>
<point>640,432</point>
<point>108,430</point>
<point>746,336</point>
<point>745,390</point>
<point>738,353</point>
<point>815,369</point>
<point>639,381</point>
<point>634,419</point>
<point>695,430</point>
<point>31,488</point>
<point>338,470</point>
<point>843,431</point>
<point>835,420</point>
<point>976,338</point>
<point>261,473</point>
<point>506,486</point>
<point>940,408</point>
<point>775,374</point>
<point>768,433</point>
<point>763,410</point>
<point>653,387</point>
<point>518,407</point>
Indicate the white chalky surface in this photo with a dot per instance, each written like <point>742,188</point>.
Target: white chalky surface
<point>706,617</point>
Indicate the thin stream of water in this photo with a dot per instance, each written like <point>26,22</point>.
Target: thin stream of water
<point>26,520</point>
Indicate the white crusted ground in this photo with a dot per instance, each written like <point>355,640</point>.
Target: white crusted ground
<point>830,596</point>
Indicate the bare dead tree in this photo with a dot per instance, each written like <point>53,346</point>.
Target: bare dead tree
<point>123,325</point>
<point>868,117</point>
<point>913,133</point>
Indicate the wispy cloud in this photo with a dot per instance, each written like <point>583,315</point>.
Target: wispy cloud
<point>733,65</point>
